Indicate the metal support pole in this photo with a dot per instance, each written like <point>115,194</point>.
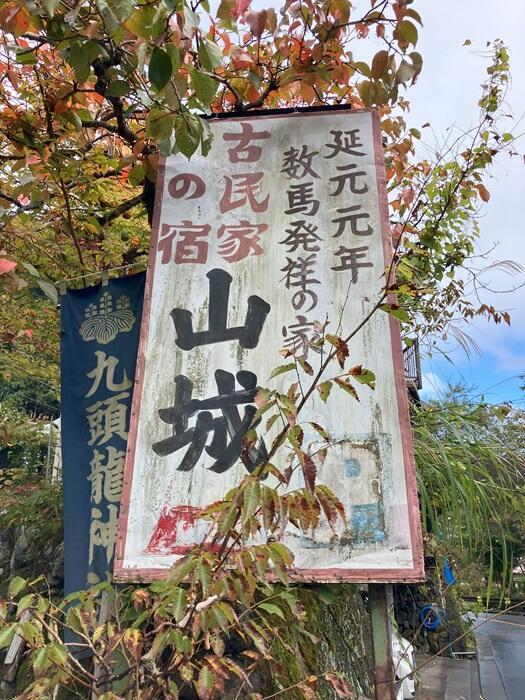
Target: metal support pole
<point>378,597</point>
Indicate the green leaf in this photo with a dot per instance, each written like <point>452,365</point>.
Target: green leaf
<point>160,68</point>
<point>179,604</point>
<point>271,420</point>
<point>25,603</point>
<point>417,61</point>
<point>145,23</point>
<point>408,31</point>
<point>49,290</point>
<point>210,55</point>
<point>205,682</point>
<point>42,661</point>
<point>115,12</point>
<point>42,606</point>
<point>50,6</point>
<point>159,124</point>
<point>366,92</point>
<point>26,58</point>
<point>205,87</point>
<point>227,519</point>
<point>363,376</point>
<point>272,609</point>
<point>81,56</point>
<point>58,653</point>
<point>74,620</point>
<point>16,585</point>
<point>7,634</point>
<point>30,632</point>
<point>323,432</point>
<point>282,369</point>
<point>252,498</point>
<point>32,270</point>
<point>396,311</point>
<point>225,10</point>
<point>363,68</point>
<point>122,9</point>
<point>306,366</point>
<point>178,573</point>
<point>118,88</point>
<point>174,53</point>
<point>204,574</point>
<point>160,642</point>
<point>174,690</point>
<point>324,390</point>
<point>187,135</point>
<point>191,19</point>
<point>136,175</point>
<point>72,118</point>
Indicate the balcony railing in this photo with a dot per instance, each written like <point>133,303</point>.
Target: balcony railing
<point>412,362</point>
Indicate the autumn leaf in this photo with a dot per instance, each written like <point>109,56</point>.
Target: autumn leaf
<point>341,348</point>
<point>379,64</point>
<point>345,384</point>
<point>205,683</point>
<point>324,390</point>
<point>6,266</point>
<point>320,430</point>
<point>309,469</point>
<point>257,21</point>
<point>483,192</point>
<point>341,687</point>
<point>364,376</point>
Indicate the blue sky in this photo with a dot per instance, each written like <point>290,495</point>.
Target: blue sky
<point>446,95</point>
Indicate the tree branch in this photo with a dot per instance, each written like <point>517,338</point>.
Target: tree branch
<point>121,209</point>
<point>99,124</point>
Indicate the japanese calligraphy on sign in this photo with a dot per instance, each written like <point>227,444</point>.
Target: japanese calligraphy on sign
<point>280,232</point>
<point>100,330</point>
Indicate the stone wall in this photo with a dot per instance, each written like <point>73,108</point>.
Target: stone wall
<point>339,640</point>
<point>408,602</point>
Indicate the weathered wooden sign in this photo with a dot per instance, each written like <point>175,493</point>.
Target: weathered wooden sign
<point>279,230</point>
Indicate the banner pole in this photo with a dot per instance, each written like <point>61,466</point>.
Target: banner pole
<point>378,595</point>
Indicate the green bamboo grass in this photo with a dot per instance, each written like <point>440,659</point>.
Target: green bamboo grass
<point>471,469</point>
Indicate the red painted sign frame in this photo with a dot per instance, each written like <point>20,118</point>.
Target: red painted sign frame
<point>372,575</point>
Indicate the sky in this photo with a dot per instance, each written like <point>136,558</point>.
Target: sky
<point>446,95</point>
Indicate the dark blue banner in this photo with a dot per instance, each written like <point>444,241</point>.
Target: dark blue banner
<point>100,335</point>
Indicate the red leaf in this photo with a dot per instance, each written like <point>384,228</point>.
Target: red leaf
<point>339,684</point>
<point>309,469</point>
<point>6,266</point>
<point>257,22</point>
<point>240,7</point>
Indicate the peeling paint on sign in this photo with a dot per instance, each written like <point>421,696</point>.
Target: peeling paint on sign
<point>279,230</point>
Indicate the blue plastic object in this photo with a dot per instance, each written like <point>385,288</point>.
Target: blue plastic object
<point>431,617</point>
<point>448,574</point>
